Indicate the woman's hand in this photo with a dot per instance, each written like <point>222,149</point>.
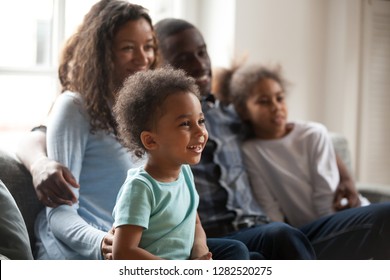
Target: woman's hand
<point>107,244</point>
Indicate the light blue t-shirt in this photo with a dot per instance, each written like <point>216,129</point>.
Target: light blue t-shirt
<point>166,211</point>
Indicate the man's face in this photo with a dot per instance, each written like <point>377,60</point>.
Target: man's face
<point>187,50</point>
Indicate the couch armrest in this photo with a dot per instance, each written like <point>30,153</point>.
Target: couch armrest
<point>374,192</point>
<point>19,183</point>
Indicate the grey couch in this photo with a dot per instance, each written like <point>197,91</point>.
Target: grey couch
<point>14,239</point>
<point>19,182</point>
<point>373,192</point>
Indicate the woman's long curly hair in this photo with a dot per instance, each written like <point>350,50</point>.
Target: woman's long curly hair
<point>86,64</point>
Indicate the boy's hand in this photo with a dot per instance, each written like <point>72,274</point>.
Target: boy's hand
<point>207,256</point>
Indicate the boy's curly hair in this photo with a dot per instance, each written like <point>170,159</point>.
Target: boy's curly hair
<point>139,102</point>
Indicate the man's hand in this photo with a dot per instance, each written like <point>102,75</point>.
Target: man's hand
<point>346,190</point>
<point>107,245</point>
<point>51,181</point>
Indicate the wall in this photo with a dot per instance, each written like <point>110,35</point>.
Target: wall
<point>316,41</point>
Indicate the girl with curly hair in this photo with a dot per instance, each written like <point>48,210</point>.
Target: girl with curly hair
<point>291,164</point>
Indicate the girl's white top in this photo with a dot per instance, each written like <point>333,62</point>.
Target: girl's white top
<point>294,177</point>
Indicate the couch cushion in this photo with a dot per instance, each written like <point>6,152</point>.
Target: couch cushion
<point>14,240</point>
<point>19,183</point>
<point>340,145</point>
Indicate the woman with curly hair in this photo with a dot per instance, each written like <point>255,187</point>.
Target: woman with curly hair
<point>116,39</point>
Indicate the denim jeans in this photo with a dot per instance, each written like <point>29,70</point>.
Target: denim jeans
<point>228,249</point>
<point>275,241</point>
<point>357,233</point>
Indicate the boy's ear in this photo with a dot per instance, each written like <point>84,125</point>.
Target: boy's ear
<point>147,139</point>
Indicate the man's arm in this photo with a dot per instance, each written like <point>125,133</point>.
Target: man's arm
<point>345,189</point>
<point>51,180</point>
<point>32,148</point>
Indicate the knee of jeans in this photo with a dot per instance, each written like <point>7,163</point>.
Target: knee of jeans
<point>382,215</point>
<point>279,229</point>
<point>238,246</point>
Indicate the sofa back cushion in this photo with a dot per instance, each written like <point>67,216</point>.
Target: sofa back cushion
<point>14,240</point>
<point>19,183</point>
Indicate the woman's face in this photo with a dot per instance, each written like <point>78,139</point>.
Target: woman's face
<point>133,49</point>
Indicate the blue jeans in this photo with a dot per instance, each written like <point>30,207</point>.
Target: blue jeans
<point>228,249</point>
<point>275,241</point>
<point>357,233</point>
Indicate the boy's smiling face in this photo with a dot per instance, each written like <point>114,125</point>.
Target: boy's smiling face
<point>180,134</point>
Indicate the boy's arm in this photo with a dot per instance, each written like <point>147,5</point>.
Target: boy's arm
<point>50,179</point>
<point>345,189</point>
<point>200,251</point>
<point>126,244</point>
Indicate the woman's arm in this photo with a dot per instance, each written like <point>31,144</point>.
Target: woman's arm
<point>67,138</point>
<point>126,244</point>
<point>51,180</point>
<point>107,244</point>
<point>200,251</point>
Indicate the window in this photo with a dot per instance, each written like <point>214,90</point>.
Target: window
<point>374,152</point>
<point>32,35</point>
<point>28,61</point>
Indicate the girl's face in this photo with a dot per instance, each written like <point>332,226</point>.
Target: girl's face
<point>133,49</point>
<point>267,110</point>
<point>180,134</point>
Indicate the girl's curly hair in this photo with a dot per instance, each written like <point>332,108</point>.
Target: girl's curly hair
<point>235,85</point>
<point>244,78</point>
<point>86,63</point>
